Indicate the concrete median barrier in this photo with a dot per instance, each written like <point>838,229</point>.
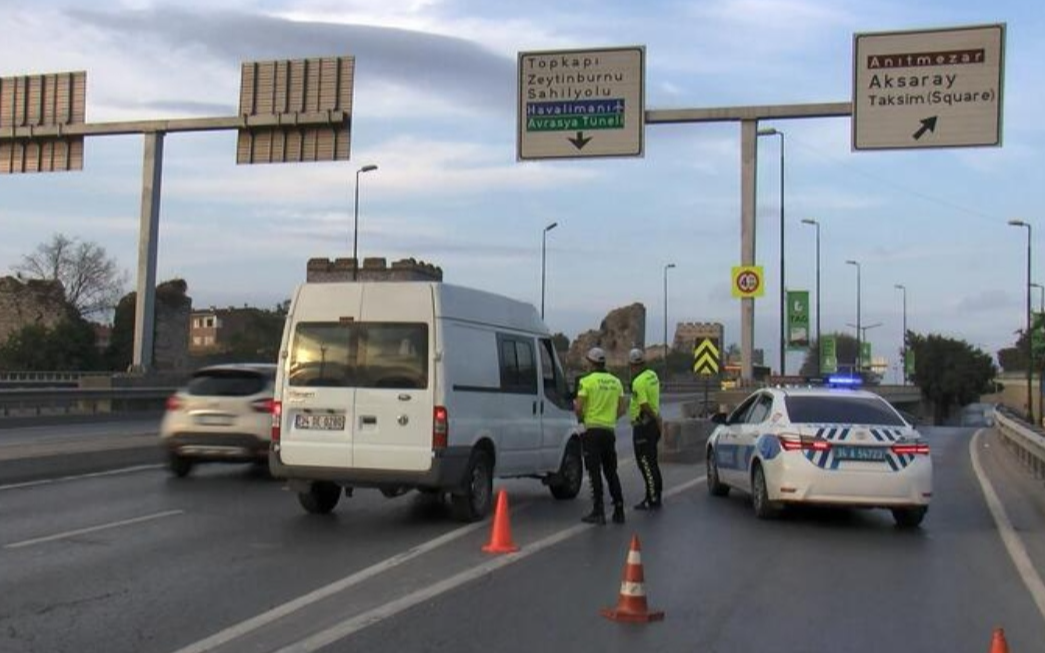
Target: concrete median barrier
<point>684,440</point>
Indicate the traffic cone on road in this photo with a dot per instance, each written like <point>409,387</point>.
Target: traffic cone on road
<point>501,534</point>
<point>998,643</point>
<point>631,606</point>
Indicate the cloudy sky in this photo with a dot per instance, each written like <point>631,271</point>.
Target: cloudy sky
<point>435,109</point>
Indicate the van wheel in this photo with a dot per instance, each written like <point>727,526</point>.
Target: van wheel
<point>179,465</point>
<point>474,503</point>
<point>570,477</point>
<point>320,499</point>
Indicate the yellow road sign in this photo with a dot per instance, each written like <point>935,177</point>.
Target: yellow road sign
<point>706,357</point>
<point>747,281</point>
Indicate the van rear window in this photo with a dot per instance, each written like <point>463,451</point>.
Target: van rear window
<point>359,355</point>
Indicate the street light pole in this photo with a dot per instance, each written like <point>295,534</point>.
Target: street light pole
<point>903,289</point>
<point>859,332</point>
<point>544,247</point>
<point>1030,348</point>
<point>666,347</point>
<point>355,229</point>
<point>783,301</point>
<point>818,345</point>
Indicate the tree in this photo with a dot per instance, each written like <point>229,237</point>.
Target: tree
<point>950,372</point>
<point>92,280</point>
<point>69,346</point>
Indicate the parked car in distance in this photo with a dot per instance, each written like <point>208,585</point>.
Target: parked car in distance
<point>827,446</point>
<point>223,414</point>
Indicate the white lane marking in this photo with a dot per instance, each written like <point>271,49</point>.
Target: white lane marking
<point>63,479</point>
<point>1012,541</point>
<point>93,529</point>
<point>254,623</point>
<point>359,622</point>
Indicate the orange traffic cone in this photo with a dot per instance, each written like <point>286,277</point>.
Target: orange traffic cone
<point>631,606</point>
<point>998,643</point>
<point>501,534</point>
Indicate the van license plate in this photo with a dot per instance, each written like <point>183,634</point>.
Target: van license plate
<point>320,422</point>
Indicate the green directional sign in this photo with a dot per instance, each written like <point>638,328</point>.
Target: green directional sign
<point>707,357</point>
<point>865,355</point>
<point>828,355</point>
<point>798,319</point>
<point>908,363</point>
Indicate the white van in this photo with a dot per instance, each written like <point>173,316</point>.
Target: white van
<point>419,385</point>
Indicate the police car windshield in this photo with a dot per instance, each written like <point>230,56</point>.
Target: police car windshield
<point>841,409</point>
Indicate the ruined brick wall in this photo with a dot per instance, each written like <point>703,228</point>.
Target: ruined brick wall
<point>23,303</point>
<point>171,341</point>
<point>688,333</point>
<point>372,269</point>
<point>623,329</point>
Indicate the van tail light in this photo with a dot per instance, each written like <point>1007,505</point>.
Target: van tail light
<point>277,418</point>
<point>263,405</point>
<point>173,404</point>
<point>802,443</point>
<point>440,427</point>
<point>915,449</point>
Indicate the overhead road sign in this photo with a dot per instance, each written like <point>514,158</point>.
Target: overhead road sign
<point>928,88</point>
<point>42,102</point>
<point>747,281</point>
<point>581,103</point>
<point>294,93</point>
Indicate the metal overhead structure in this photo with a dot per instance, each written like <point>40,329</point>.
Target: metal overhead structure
<point>290,111</point>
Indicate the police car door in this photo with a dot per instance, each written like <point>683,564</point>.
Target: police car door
<point>728,458</point>
<point>755,423</point>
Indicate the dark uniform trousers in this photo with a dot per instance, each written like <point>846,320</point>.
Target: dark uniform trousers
<point>600,457</point>
<point>645,436</point>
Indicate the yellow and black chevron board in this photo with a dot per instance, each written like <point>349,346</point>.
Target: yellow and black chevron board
<point>707,357</point>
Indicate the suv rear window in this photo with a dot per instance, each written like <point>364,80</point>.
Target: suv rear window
<point>840,409</point>
<point>360,355</point>
<point>226,383</point>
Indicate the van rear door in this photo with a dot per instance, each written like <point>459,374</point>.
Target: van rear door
<point>394,396</point>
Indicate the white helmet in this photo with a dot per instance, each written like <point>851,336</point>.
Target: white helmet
<point>597,355</point>
<point>636,357</point>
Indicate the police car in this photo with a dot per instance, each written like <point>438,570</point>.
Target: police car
<point>842,447</point>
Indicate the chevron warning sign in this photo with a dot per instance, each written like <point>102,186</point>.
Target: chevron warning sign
<point>706,357</point>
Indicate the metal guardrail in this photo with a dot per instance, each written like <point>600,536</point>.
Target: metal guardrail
<point>32,402</point>
<point>1026,443</point>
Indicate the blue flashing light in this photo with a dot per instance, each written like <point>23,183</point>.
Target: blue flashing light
<point>844,381</point>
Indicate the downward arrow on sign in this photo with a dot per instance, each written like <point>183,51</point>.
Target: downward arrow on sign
<point>579,141</point>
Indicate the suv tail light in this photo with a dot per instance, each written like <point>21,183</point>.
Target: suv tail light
<point>172,404</point>
<point>440,427</point>
<point>912,449</point>
<point>803,443</point>
<point>263,405</point>
<point>277,417</point>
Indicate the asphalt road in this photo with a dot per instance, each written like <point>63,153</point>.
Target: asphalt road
<point>136,561</point>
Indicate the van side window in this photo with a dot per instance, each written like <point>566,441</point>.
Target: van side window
<point>518,365</point>
<point>554,381</point>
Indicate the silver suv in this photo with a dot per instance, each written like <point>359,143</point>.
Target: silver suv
<point>223,414</point>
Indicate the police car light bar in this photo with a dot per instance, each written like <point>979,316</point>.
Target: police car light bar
<point>844,381</point>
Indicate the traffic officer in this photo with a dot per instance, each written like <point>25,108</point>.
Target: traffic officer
<point>599,403</point>
<point>646,423</point>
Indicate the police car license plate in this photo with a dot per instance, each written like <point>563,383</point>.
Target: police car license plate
<point>320,422</point>
<point>873,454</point>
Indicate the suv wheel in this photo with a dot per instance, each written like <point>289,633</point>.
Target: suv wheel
<point>179,465</point>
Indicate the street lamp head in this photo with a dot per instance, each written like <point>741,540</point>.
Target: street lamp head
<point>769,131</point>
<point>551,226</point>
<point>1018,223</point>
<point>900,286</point>
<point>1036,285</point>
<point>368,168</point>
<point>809,221</point>
<point>856,263</point>
<point>668,266</point>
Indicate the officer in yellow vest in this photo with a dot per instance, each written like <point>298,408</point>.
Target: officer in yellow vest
<point>646,423</point>
<point>599,404</point>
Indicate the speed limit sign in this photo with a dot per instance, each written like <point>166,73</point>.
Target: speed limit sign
<point>747,281</point>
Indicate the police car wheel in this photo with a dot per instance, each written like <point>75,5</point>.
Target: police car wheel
<point>764,508</point>
<point>180,466</point>
<point>716,487</point>
<point>909,517</point>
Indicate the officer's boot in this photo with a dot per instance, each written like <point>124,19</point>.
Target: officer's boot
<point>618,513</point>
<point>596,516</point>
